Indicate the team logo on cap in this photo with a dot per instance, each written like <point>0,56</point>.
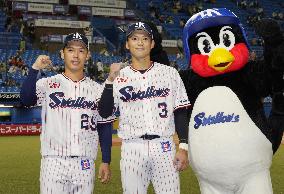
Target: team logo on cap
<point>139,25</point>
<point>205,13</point>
<point>77,36</point>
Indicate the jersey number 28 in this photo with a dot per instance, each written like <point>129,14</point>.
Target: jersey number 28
<point>88,122</point>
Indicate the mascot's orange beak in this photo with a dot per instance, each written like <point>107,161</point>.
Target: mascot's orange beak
<point>220,59</point>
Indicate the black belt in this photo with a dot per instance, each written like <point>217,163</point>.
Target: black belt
<point>149,137</point>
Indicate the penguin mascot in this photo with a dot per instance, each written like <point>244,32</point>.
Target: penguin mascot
<point>231,142</point>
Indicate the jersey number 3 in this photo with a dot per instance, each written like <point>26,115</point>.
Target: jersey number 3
<point>88,122</point>
<point>164,113</point>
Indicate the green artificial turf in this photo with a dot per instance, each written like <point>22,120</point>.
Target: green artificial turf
<point>20,163</point>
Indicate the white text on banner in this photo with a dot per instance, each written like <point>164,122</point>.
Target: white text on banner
<point>61,23</point>
<point>107,11</point>
<point>99,3</point>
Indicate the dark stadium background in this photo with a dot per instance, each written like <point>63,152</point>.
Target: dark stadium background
<point>29,28</point>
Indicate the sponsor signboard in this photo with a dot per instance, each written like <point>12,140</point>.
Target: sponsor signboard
<point>38,7</point>
<point>99,3</point>
<point>107,11</point>
<point>85,10</point>
<point>20,129</point>
<point>39,1</point>
<point>7,97</point>
<point>61,23</point>
<point>169,43</point>
<point>22,6</point>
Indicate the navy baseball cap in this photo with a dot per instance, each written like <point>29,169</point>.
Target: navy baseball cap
<point>139,26</point>
<point>76,37</point>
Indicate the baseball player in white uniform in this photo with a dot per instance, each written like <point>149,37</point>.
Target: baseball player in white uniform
<point>148,94</point>
<point>70,114</point>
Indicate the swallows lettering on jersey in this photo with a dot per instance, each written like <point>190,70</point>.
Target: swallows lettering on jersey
<point>128,93</point>
<point>201,119</point>
<point>54,85</point>
<point>58,100</point>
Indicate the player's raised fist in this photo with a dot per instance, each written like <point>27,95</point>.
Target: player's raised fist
<point>114,71</point>
<point>42,62</point>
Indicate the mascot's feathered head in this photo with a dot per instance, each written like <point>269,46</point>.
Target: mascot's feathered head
<point>215,42</point>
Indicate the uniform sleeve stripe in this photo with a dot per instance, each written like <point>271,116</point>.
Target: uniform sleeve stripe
<point>182,106</point>
<point>107,121</point>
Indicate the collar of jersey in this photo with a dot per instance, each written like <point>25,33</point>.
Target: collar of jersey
<point>73,80</point>
<point>136,70</point>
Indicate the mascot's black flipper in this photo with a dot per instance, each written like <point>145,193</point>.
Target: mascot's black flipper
<point>273,38</point>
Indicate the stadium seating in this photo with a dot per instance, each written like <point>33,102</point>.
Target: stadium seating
<point>106,27</point>
<point>175,32</point>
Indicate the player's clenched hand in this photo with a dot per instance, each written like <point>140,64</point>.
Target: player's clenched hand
<point>42,62</point>
<point>114,71</point>
<point>104,173</point>
<point>181,160</point>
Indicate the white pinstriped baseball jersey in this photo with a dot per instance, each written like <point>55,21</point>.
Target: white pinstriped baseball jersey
<point>147,101</point>
<point>69,116</point>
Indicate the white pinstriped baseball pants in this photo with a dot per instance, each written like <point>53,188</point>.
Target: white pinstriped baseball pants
<point>64,175</point>
<point>143,161</point>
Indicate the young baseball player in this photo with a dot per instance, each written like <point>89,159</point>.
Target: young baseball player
<point>153,103</point>
<point>71,109</point>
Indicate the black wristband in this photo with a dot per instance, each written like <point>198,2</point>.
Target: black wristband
<point>108,86</point>
<point>183,141</point>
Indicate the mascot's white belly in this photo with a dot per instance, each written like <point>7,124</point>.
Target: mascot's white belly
<point>224,143</point>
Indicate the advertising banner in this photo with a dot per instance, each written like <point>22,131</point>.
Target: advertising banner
<point>99,3</point>
<point>37,7</point>
<point>28,16</point>
<point>169,43</point>
<point>61,23</point>
<point>99,40</point>
<point>62,9</point>
<point>20,129</point>
<point>22,6</point>
<point>39,1</point>
<point>129,13</point>
<point>107,11</point>
<point>6,97</point>
<point>55,38</point>
<point>85,10</point>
